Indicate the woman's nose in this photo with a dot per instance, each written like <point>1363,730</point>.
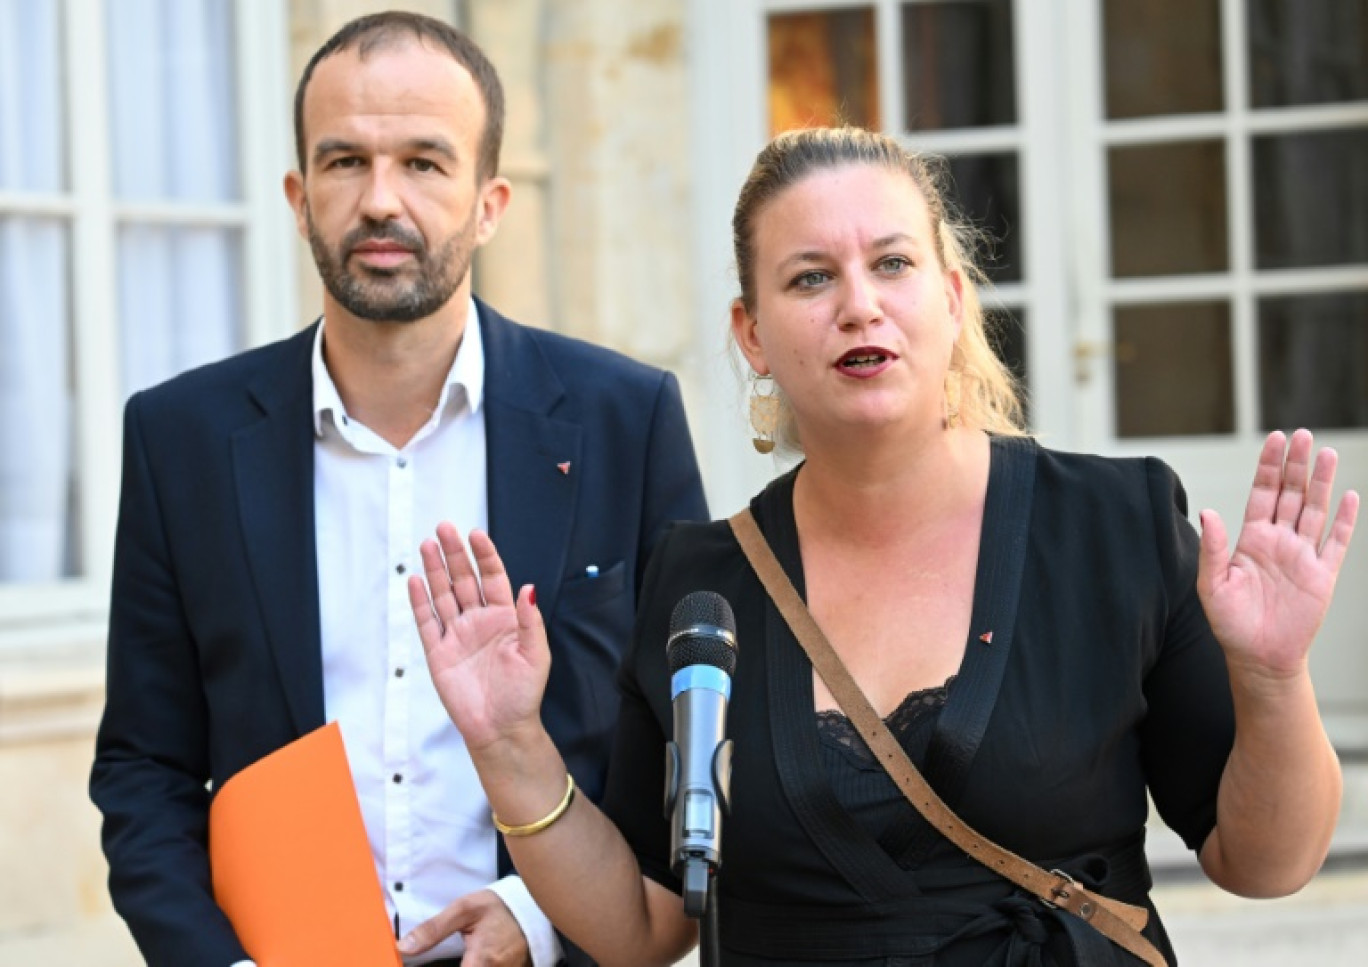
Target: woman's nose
<point>859,303</point>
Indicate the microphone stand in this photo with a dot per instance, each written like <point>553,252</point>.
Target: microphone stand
<point>710,945</point>
<point>700,902</point>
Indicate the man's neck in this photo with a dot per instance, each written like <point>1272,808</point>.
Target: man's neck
<point>390,374</point>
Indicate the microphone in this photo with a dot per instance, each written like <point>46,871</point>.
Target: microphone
<point>701,654</point>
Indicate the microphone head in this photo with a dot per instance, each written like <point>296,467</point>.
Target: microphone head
<point>702,632</point>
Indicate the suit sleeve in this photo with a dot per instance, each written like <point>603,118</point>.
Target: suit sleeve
<point>151,758</point>
<point>674,487</point>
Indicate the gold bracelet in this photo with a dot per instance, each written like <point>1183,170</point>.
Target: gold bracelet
<point>546,820</point>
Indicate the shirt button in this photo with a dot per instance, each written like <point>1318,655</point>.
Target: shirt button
<point>401,462</point>
<point>399,887</point>
<point>398,778</point>
<point>399,568</point>
<point>398,673</point>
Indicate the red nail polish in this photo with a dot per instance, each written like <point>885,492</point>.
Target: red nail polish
<point>532,596</point>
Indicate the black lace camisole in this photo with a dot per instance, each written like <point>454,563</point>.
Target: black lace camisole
<point>862,786</point>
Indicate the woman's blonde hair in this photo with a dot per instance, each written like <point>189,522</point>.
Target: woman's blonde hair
<point>980,391</point>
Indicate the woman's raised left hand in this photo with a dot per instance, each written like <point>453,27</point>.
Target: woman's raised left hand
<point>1267,598</point>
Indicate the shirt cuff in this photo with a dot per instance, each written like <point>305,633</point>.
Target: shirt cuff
<point>542,942</point>
<point>244,963</point>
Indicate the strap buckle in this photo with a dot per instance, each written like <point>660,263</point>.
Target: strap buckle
<point>1061,891</point>
<point>1064,895</point>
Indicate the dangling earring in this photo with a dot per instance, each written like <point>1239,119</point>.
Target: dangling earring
<point>764,412</point>
<point>953,396</point>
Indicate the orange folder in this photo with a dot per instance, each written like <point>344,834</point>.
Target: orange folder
<point>291,863</point>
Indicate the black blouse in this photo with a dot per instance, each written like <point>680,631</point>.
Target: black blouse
<point>1108,685</point>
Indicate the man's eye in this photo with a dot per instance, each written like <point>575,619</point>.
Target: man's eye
<point>346,161</point>
<point>422,165</point>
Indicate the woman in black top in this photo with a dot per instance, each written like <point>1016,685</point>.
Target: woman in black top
<point>1044,631</point>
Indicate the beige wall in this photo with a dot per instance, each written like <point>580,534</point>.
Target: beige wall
<point>53,904</point>
<point>622,207</point>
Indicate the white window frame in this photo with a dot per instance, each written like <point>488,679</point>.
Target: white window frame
<point>44,614</point>
<point>1241,285</point>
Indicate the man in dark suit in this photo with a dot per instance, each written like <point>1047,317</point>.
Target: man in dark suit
<point>273,503</point>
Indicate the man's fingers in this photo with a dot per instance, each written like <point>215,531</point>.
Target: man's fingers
<point>457,916</point>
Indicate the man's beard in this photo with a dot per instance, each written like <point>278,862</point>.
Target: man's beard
<point>383,295</point>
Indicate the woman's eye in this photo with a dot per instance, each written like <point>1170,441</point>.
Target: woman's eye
<point>810,280</point>
<point>894,265</point>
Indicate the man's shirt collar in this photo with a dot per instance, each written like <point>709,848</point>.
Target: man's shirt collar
<point>466,375</point>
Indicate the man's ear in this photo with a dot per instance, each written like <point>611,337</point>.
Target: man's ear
<point>493,202</point>
<point>294,194</point>
<point>743,328</point>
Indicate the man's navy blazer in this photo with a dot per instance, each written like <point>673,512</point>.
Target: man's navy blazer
<point>214,651</point>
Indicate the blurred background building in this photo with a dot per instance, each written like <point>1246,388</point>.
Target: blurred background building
<point>1177,189</point>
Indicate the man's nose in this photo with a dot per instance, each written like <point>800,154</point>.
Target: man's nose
<point>380,201</point>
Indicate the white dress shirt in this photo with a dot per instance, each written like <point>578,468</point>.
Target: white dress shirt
<point>426,816</point>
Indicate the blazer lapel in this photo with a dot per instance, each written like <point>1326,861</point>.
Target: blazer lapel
<point>273,465</point>
<point>530,458</point>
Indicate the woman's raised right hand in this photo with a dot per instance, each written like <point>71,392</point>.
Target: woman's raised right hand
<point>486,650</point>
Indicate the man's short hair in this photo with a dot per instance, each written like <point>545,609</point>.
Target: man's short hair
<point>379,30</point>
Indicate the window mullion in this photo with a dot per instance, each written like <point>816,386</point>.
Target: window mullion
<point>94,300</point>
<point>263,88</point>
<point>888,41</point>
<point>1240,215</point>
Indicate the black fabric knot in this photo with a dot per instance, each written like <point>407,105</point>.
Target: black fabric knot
<point>1023,915</point>
<point>1023,920</point>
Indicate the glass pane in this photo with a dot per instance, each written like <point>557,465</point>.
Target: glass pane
<point>1168,208</point>
<point>38,540</point>
<point>1173,368</point>
<point>958,64</point>
<point>823,69</point>
<point>32,116</point>
<point>179,300</point>
<point>1313,361</point>
<point>1311,198</point>
<point>1307,51</point>
<point>1006,331</point>
<point>1162,57</point>
<point>172,105</point>
<point>987,191</point>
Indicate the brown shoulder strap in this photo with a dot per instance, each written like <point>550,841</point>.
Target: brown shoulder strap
<point>1119,922</point>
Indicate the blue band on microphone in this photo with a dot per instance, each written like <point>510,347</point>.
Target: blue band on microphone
<point>700,676</point>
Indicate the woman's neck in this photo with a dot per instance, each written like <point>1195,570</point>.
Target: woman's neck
<point>881,494</point>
